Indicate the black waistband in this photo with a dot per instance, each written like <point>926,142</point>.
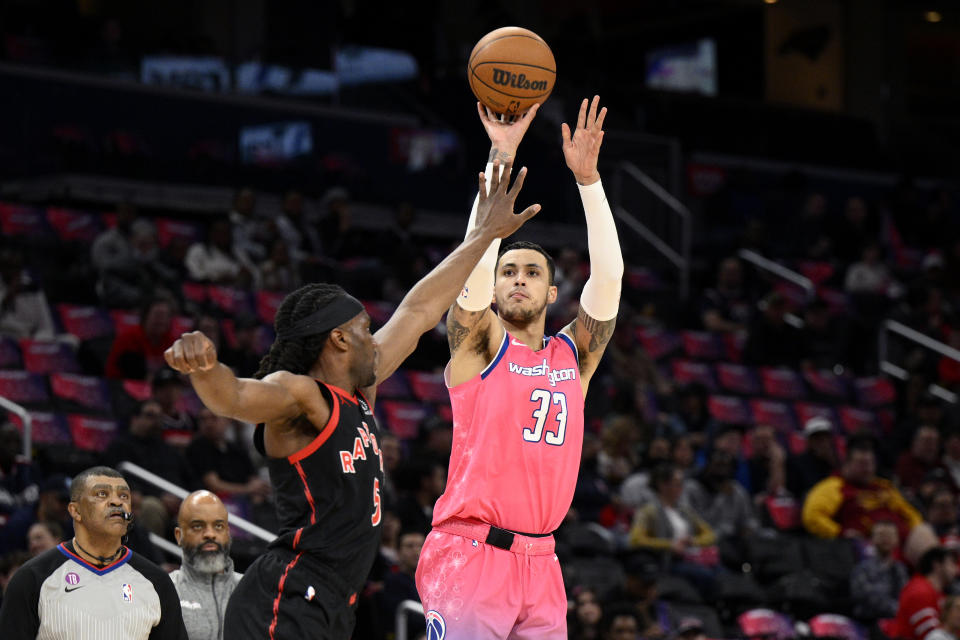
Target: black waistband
<point>503,538</point>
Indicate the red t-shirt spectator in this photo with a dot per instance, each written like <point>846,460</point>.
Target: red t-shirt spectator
<point>919,611</point>
<point>133,355</point>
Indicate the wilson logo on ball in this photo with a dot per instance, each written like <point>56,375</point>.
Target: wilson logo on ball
<point>507,79</point>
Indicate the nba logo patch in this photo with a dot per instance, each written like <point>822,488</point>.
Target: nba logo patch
<point>436,626</point>
<point>127,591</point>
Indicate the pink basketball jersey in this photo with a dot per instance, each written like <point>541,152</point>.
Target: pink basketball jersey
<point>517,436</point>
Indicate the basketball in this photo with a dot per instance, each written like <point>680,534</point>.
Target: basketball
<point>511,69</point>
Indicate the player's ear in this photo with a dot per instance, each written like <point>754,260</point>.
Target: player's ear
<point>551,294</point>
<point>338,338</point>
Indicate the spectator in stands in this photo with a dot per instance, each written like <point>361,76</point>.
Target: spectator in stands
<point>138,351</point>
<point>399,585</point>
<point>592,492</point>
<point>635,491</point>
<point>246,232</point>
<point>951,454</point>
<point>856,229</point>
<point>167,389</point>
<point>657,619</point>
<point>818,461</point>
<point>728,437</point>
<point>949,620</point>
<point>341,240</point>
<point>691,629</point>
<point>822,337</point>
<point>924,455</point>
<point>771,340</point>
<point>222,466</point>
<point>727,306</point>
<point>692,415</point>
<point>618,443</point>
<point>217,261</point>
<point>849,503</point>
<point>390,454</point>
<point>682,453</point>
<point>244,356</point>
<point>9,564</point>
<point>722,502</point>
<point>403,253</point>
<point>143,445</point>
<point>672,530</point>
<point>301,238</point>
<point>208,324</point>
<point>941,514</point>
<point>767,461</point>
<point>42,536</point>
<point>24,311</point>
<point>918,610</point>
<point>870,275</point>
<point>279,272</point>
<point>425,481</point>
<point>583,618</point>
<point>878,579</point>
<point>112,248</point>
<point>51,506</point>
<point>570,276</point>
<point>19,476</point>
<point>621,623</point>
<point>127,282</point>
<point>206,578</point>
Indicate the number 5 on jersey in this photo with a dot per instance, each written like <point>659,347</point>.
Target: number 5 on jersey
<point>544,399</point>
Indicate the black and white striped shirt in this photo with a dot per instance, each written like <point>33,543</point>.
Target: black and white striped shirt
<point>60,596</point>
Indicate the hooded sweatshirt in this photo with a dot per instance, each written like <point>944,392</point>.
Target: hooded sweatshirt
<point>203,599</point>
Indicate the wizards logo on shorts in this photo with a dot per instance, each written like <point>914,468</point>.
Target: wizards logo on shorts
<point>436,627</point>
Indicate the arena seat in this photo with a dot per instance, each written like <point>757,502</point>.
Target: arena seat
<point>85,322</point>
<point>24,387</point>
<point>24,221</point>
<point>48,428</point>
<point>658,342</point>
<point>41,356</point>
<point>9,353</point>
<point>90,433</point>
<point>782,382</point>
<point>428,386</point>
<point>84,391</point>
<point>73,225</point>
<point>687,371</point>
<point>395,387</point>
<point>874,392</point>
<point>826,383</point>
<point>729,409</point>
<point>738,378</point>
<point>701,345</point>
<point>402,418</point>
<point>775,413</point>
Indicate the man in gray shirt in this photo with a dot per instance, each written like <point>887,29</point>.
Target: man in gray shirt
<point>206,578</point>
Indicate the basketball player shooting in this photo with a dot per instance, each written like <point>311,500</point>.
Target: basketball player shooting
<point>314,401</point>
<point>488,568</point>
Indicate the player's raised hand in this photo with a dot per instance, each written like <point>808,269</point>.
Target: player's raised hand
<point>582,149</point>
<point>505,135</point>
<point>495,209</point>
<point>192,352</point>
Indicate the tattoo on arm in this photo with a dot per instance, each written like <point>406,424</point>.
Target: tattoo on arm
<point>600,331</point>
<point>457,332</point>
<point>495,154</point>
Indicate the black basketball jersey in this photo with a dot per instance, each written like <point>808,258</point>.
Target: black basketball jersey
<point>328,493</point>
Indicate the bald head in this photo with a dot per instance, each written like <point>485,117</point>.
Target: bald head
<point>203,532</point>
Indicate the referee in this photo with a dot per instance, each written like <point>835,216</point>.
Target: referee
<point>93,587</point>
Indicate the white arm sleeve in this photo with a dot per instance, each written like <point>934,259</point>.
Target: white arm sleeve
<point>601,294</point>
<point>478,290</point>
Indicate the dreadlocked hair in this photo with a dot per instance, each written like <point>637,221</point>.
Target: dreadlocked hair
<point>299,354</point>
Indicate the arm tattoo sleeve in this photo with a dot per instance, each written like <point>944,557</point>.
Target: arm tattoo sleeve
<point>457,332</point>
<point>600,331</point>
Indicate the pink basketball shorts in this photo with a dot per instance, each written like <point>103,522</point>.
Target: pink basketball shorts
<point>472,590</point>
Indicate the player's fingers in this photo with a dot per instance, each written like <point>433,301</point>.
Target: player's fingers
<point>495,177</point>
<point>174,356</point>
<point>168,356</point>
<point>504,183</point>
<point>531,113</point>
<point>529,212</point>
<point>582,116</point>
<point>481,112</point>
<point>592,117</point>
<point>482,187</point>
<point>517,184</point>
<point>565,133</point>
<point>600,118</point>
